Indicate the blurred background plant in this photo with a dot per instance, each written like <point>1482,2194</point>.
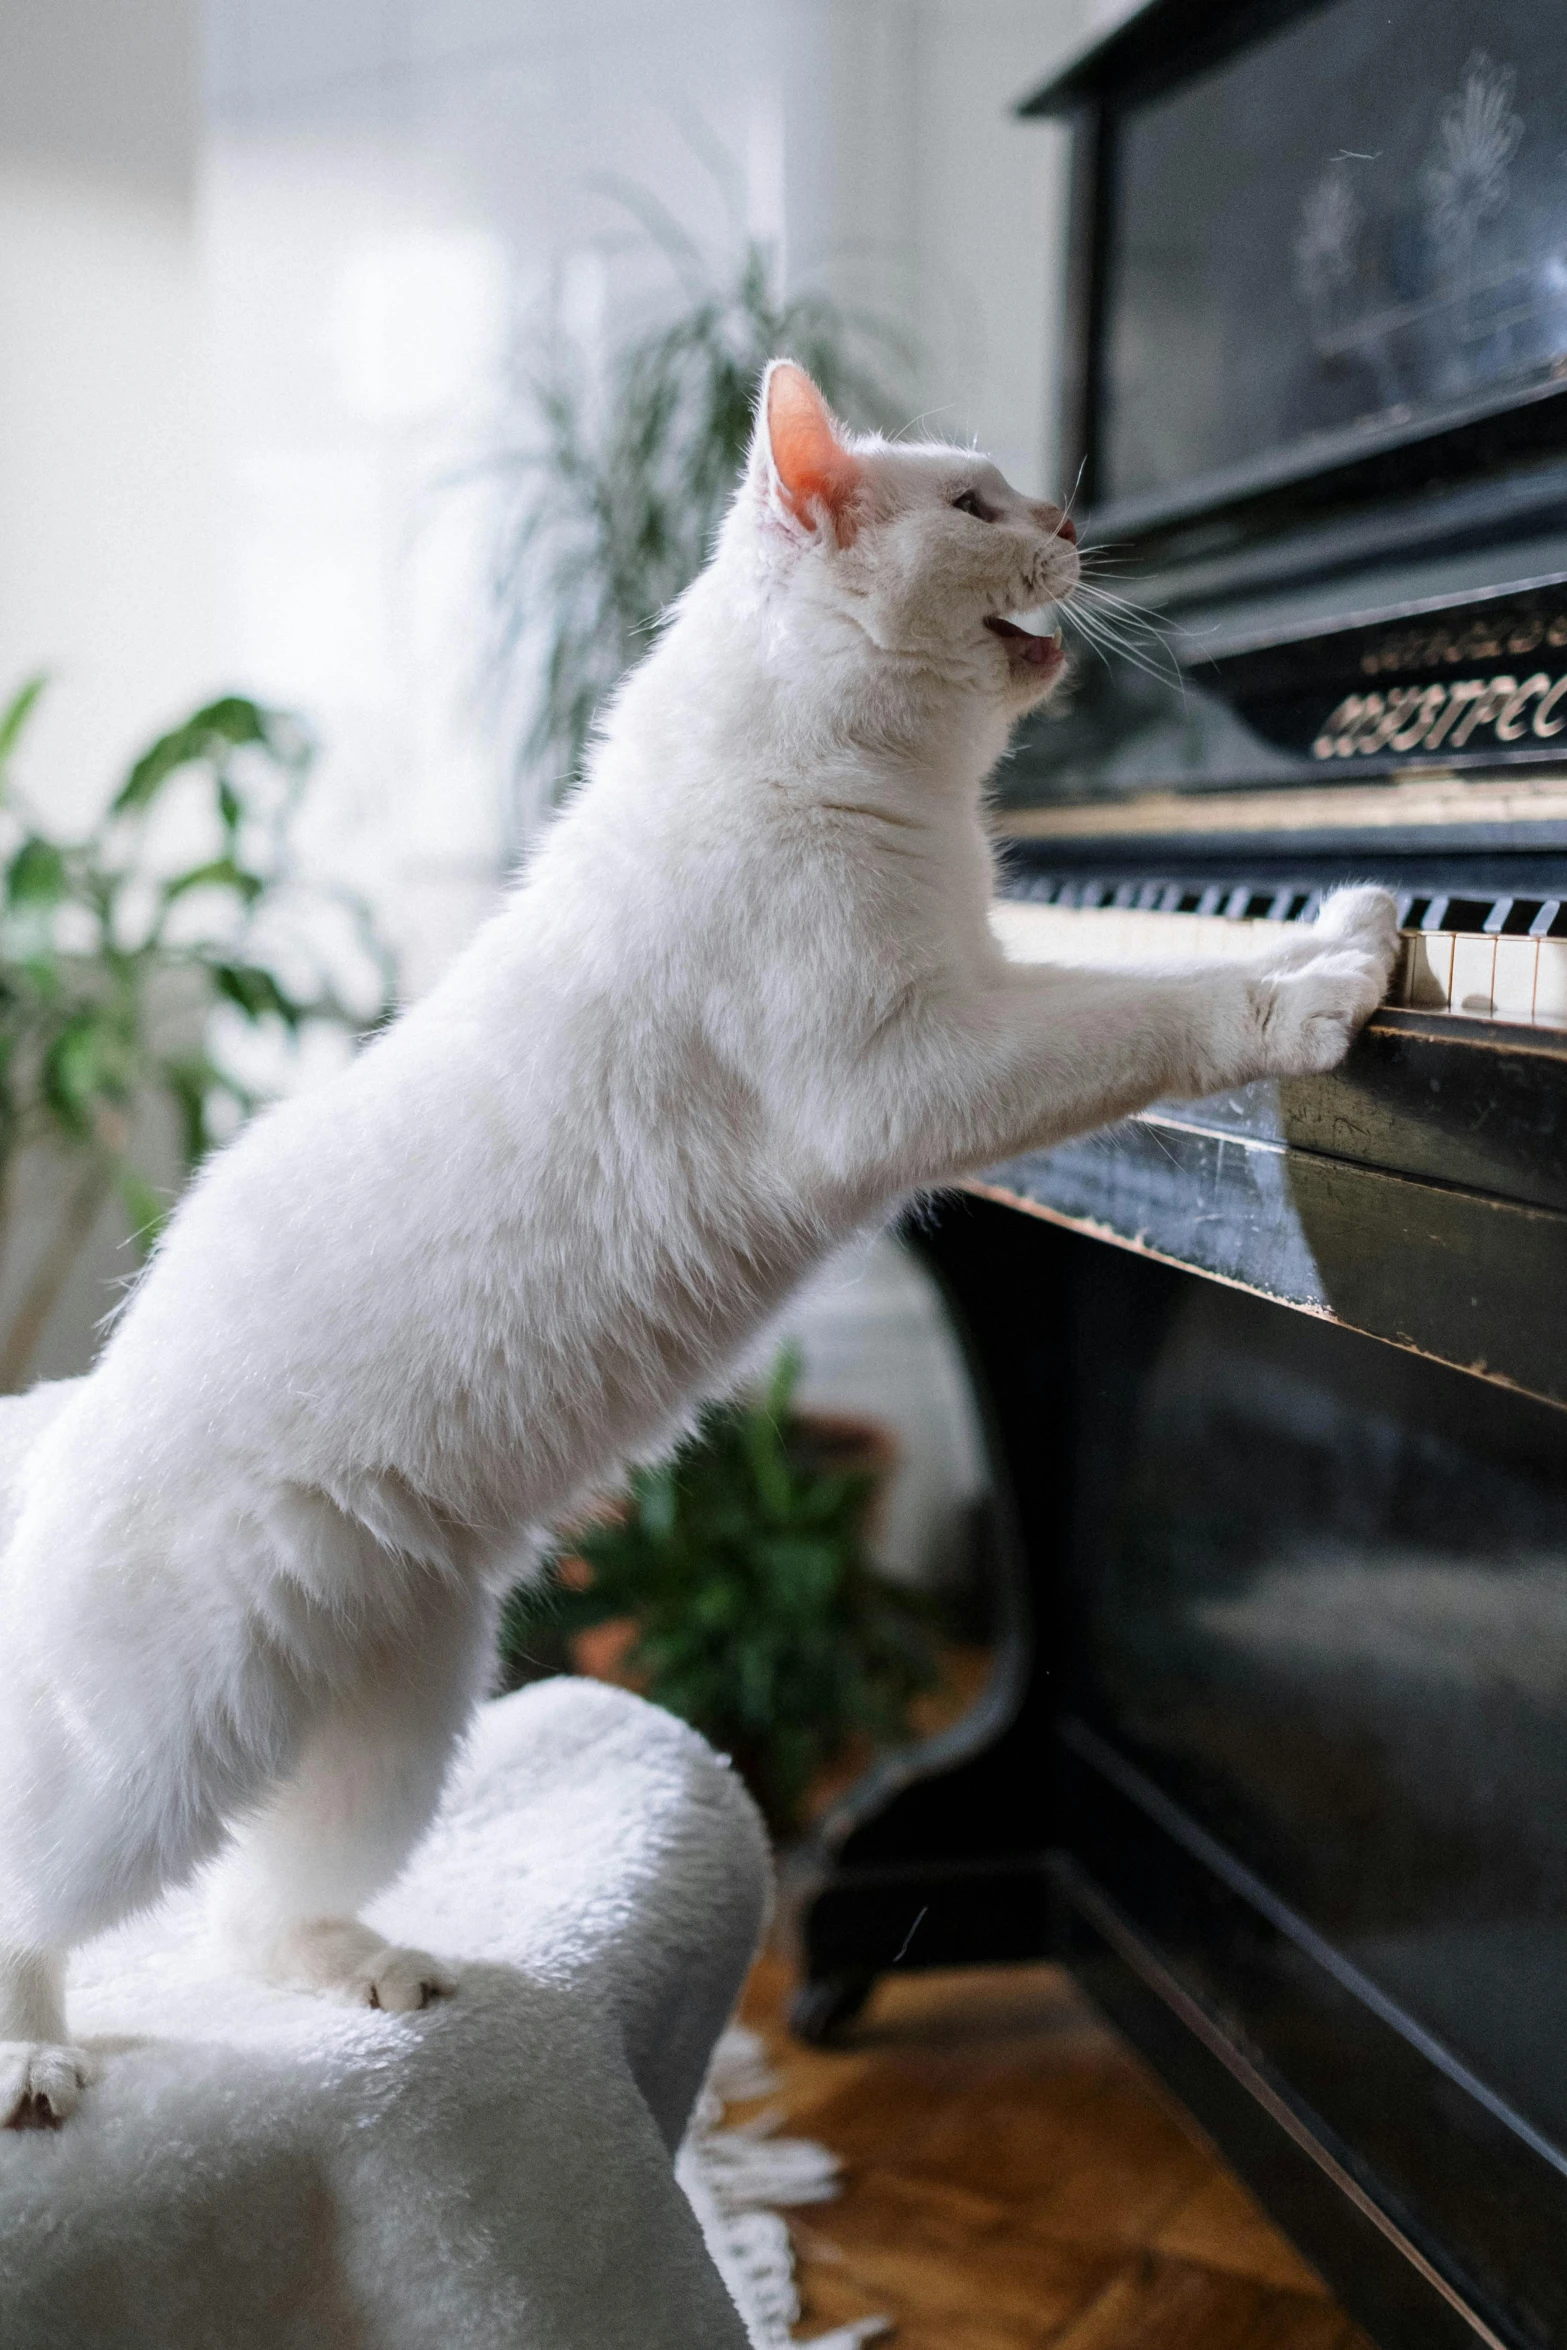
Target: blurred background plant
<point>625,462</point>
<point>736,1582</point>
<point>116,952</point>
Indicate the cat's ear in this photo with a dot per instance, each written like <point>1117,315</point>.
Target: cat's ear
<point>799,459</point>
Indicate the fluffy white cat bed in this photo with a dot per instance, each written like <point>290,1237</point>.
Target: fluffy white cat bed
<point>259,2170</point>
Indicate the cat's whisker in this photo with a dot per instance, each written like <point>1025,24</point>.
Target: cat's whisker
<point>1139,617</point>
<point>1091,587</point>
<point>1077,484</point>
<point>1127,613</point>
<point>1129,640</point>
<point>1126,622</point>
<point>1110,646</point>
<point>1131,635</point>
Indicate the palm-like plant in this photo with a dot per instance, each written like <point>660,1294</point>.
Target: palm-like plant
<point>615,493</point>
<point>94,935</point>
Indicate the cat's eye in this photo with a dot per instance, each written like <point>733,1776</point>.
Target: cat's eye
<point>970,502</point>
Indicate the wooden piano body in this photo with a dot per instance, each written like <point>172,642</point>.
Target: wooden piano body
<point>1274,1751</point>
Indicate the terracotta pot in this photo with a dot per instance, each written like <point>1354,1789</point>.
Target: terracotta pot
<point>842,1442</point>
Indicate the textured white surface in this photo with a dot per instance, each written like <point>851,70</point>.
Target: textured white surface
<point>262,2170</point>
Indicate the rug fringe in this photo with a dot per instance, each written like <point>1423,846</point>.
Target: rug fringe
<point>736,2178</point>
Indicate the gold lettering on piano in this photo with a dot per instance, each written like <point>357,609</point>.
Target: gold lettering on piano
<point>1429,717</point>
<point>1509,722</point>
<point>1422,707</point>
<point>1447,644</point>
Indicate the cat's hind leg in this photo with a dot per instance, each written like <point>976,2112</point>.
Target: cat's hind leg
<point>364,1790</point>
<point>41,2074</point>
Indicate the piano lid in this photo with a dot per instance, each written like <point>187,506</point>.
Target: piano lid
<point>1319,316</point>
<point>1156,37</point>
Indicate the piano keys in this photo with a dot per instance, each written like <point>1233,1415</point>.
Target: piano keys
<point>1498,959</point>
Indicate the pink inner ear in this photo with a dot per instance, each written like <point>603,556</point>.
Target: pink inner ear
<point>814,469</point>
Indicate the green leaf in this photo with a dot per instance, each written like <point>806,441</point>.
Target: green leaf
<point>763,1442</point>
<point>781,1385</point>
<point>190,1083</point>
<point>208,734</point>
<point>221,873</point>
<point>254,990</point>
<point>147,1209</point>
<point>86,1063</point>
<point>37,875</point>
<point>16,714</point>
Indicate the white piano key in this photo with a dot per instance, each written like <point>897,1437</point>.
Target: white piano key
<point>1550,984</point>
<point>1513,990</point>
<point>1472,987</point>
<point>1428,970</point>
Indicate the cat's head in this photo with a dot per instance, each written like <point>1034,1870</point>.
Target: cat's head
<point>926,549</point>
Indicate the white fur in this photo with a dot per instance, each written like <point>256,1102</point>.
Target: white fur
<point>744,999</point>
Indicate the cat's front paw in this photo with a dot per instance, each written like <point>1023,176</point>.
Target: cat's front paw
<point>1362,917</point>
<point>399,1980</point>
<point>40,2083</point>
<point>1327,983</point>
<point>1308,1014</point>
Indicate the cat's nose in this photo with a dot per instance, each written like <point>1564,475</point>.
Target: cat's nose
<point>1052,519</point>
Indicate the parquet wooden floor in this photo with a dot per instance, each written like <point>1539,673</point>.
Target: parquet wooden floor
<point>1015,2180</point>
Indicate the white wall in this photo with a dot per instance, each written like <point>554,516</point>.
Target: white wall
<point>105,547</point>
<point>944,200</point>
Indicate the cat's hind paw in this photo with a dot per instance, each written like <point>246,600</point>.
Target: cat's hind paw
<point>40,2083</point>
<point>399,1980</point>
<point>351,1962</point>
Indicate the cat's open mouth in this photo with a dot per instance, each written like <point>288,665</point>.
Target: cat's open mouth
<point>1026,648</point>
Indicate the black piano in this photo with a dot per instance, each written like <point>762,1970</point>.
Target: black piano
<point>1274,1750</point>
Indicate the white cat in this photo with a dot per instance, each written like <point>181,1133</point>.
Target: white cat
<point>745,998</point>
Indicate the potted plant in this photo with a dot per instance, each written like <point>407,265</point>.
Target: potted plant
<point>736,1585</point>
<point>115,949</point>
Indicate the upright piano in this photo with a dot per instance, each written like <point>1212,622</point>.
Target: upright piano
<point>1274,1751</point>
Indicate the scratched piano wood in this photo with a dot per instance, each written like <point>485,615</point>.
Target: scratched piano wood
<point>1418,1192</point>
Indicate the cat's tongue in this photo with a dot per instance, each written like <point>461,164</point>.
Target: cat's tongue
<point>1024,648</point>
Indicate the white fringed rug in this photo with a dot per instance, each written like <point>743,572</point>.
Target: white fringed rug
<point>738,2179</point>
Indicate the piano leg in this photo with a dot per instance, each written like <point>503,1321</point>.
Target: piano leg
<point>937,1856</point>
